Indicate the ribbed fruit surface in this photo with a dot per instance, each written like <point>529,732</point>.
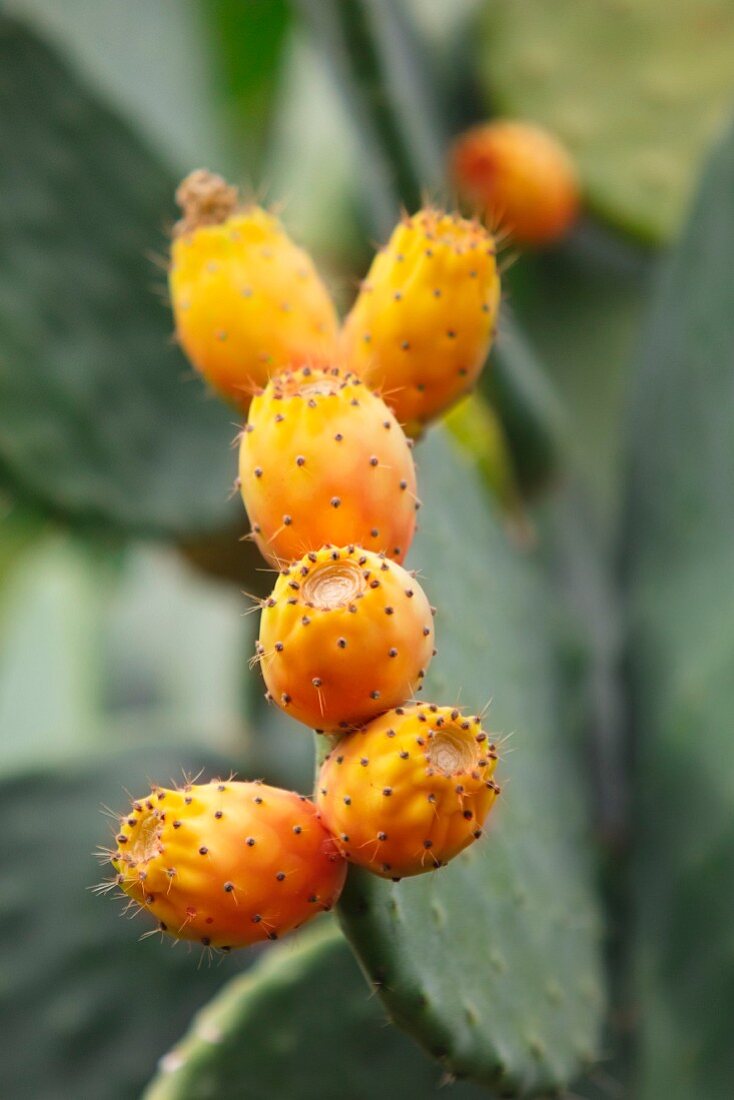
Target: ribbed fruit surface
<point>420,329</point>
<point>520,177</point>
<point>227,863</point>
<point>345,635</point>
<point>246,300</point>
<point>323,460</point>
<point>410,791</point>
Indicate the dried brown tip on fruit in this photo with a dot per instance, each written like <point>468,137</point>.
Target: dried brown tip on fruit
<point>205,199</point>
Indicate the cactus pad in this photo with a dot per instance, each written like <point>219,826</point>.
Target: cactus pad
<point>492,963</point>
<point>97,421</point>
<point>261,1036</point>
<point>635,88</point>
<point>681,531</point>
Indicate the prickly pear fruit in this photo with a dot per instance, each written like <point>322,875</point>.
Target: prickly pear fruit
<point>345,635</point>
<point>323,460</point>
<point>409,791</point>
<point>520,177</point>
<point>227,863</point>
<point>421,326</point>
<point>246,300</point>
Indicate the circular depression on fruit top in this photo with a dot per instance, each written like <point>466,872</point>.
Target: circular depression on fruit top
<point>333,584</point>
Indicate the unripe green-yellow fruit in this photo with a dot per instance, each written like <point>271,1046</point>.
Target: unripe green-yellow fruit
<point>420,329</point>
<point>410,791</point>
<point>323,460</point>
<point>345,635</point>
<point>227,863</point>
<point>246,300</point>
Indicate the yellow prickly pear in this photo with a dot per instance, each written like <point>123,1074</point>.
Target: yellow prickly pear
<point>227,863</point>
<point>420,329</point>
<point>344,635</point>
<point>520,177</point>
<point>323,460</point>
<point>410,791</point>
<point>246,300</point>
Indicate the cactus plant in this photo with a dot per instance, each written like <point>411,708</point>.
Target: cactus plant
<point>494,964</point>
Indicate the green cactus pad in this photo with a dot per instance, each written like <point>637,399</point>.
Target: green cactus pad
<point>101,419</point>
<point>85,1008</point>
<point>493,962</point>
<point>302,1025</point>
<point>681,532</point>
<point>635,88</point>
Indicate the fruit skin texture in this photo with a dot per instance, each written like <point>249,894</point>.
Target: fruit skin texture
<point>323,460</point>
<point>520,177</point>
<point>345,635</point>
<point>420,329</point>
<point>246,300</point>
<point>410,791</point>
<point>227,863</point>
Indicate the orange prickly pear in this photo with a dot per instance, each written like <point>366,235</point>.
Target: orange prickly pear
<point>323,460</point>
<point>420,329</point>
<point>227,863</point>
<point>246,300</point>
<point>409,791</point>
<point>345,635</point>
<point>519,176</point>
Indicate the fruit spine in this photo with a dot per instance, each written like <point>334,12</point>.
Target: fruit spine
<point>246,300</point>
<point>345,635</point>
<point>323,460</point>
<point>410,791</point>
<point>420,329</point>
<point>227,863</point>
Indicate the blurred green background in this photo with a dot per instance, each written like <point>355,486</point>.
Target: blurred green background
<point>123,655</point>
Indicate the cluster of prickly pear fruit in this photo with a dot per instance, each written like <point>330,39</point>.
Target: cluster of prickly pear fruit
<point>327,477</point>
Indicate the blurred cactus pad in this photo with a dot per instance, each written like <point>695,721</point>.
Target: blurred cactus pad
<point>576,537</point>
<point>637,90</point>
